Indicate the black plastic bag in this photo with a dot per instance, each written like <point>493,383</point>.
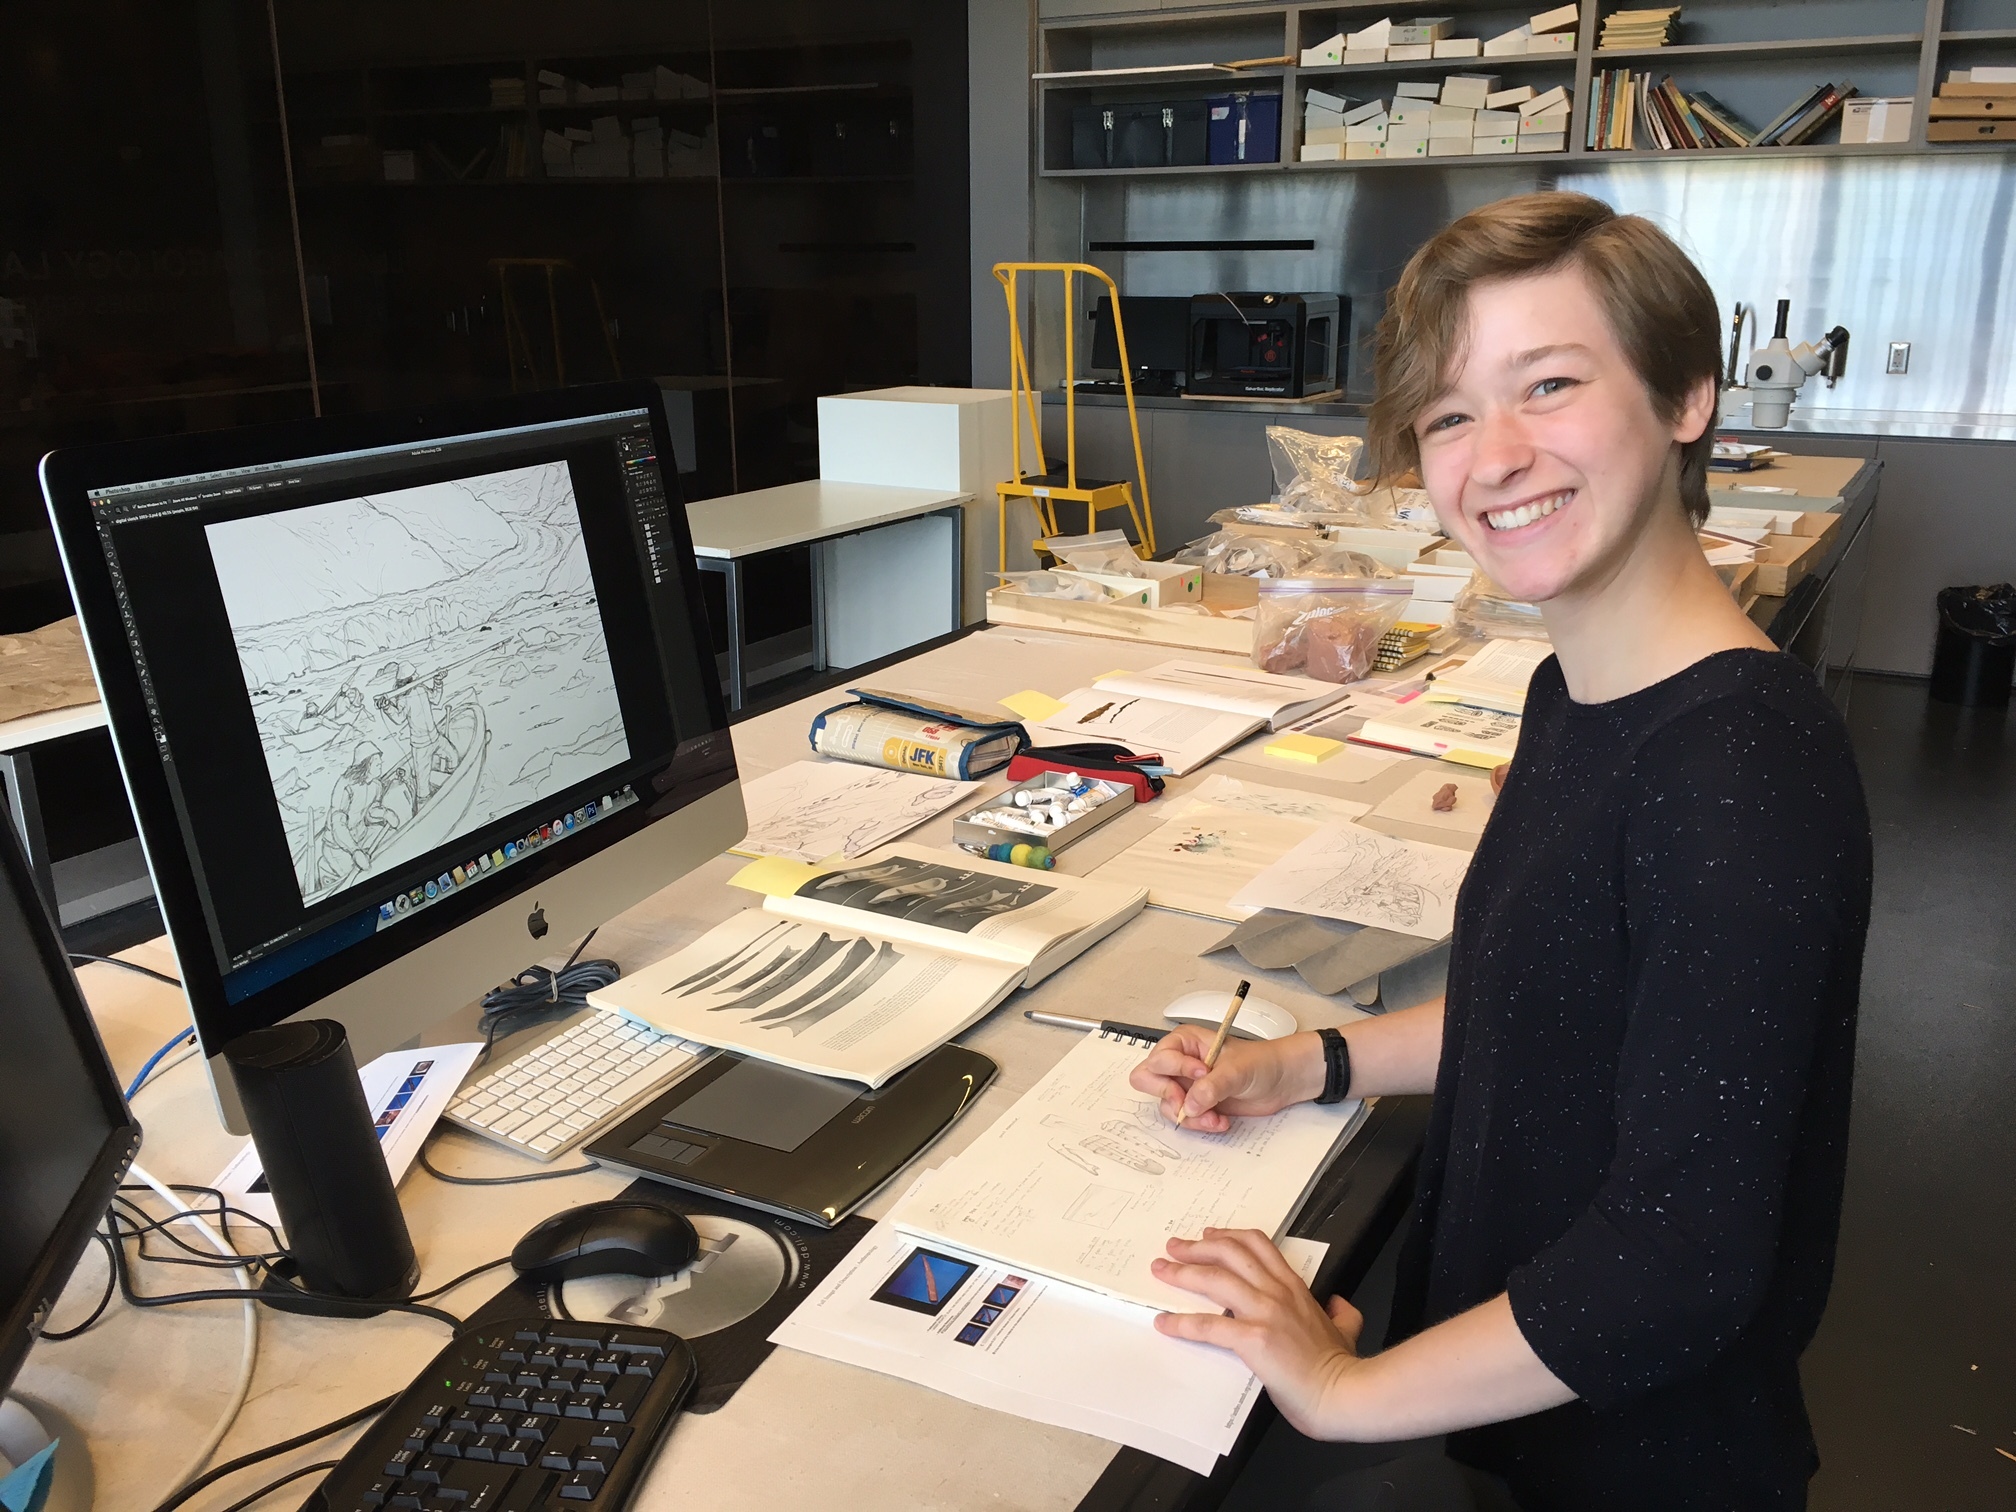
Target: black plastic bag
<point>1986,613</point>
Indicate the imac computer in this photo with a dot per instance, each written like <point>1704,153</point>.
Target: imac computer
<point>397,696</point>
<point>66,1138</point>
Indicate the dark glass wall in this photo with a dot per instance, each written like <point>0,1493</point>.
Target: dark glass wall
<point>754,201</point>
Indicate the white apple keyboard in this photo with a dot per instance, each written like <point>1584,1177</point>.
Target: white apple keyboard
<point>571,1087</point>
<point>1258,1018</point>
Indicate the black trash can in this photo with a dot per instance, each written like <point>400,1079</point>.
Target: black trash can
<point>1975,655</point>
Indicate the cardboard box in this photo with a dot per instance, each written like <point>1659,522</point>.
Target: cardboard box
<point>1324,54</point>
<point>1410,147</point>
<point>1783,561</point>
<point>1560,19</point>
<point>1543,141</point>
<point>1554,123</point>
<point>1508,44</point>
<point>1371,110</point>
<point>1008,605</point>
<point>1492,146</point>
<point>1356,55</point>
<point>1967,89</point>
<point>1371,131</point>
<point>1322,152</point>
<point>1946,107</point>
<point>1558,96</point>
<point>1327,136</point>
<point>1358,151</point>
<point>1415,53</point>
<point>1412,113</point>
<point>1427,91</point>
<point>1320,99</point>
<point>1460,47</point>
<point>1378,35</point>
<point>1969,131</point>
<point>1393,548</point>
<point>1509,99</point>
<point>1456,130</point>
<point>1428,29</point>
<point>1497,122</point>
<point>1163,584</point>
<point>1562,43</point>
<point>1889,120</point>
<point>1470,90</point>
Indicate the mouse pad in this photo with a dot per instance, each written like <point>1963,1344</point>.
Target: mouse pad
<point>752,1270</point>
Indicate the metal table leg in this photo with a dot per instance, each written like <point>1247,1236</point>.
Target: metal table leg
<point>957,514</point>
<point>738,639</point>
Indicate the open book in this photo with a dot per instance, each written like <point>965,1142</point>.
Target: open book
<point>870,966</point>
<point>1083,1179</point>
<point>1184,735</point>
<point>1494,677</point>
<point>1272,696</point>
<point>1453,731</point>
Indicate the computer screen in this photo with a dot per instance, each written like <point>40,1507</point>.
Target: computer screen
<point>371,677</point>
<point>65,1135</point>
<point>1158,333</point>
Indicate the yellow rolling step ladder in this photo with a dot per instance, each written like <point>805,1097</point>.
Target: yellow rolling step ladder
<point>1045,486</point>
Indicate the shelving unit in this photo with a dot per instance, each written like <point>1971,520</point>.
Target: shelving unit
<point>1757,57</point>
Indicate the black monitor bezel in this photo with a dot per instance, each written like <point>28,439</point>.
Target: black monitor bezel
<point>69,476</point>
<point>25,1315</point>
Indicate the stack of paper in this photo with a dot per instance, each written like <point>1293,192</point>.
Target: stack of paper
<point>1345,871</point>
<point>1492,678</point>
<point>1270,696</point>
<point>811,810</point>
<point>1084,1181</point>
<point>1064,1355</point>
<point>1638,28</point>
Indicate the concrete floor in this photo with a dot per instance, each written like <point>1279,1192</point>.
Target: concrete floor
<point>1919,1342</point>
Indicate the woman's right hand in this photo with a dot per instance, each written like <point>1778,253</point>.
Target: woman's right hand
<point>1252,1077</point>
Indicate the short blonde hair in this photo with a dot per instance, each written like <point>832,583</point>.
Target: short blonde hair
<point>1659,306</point>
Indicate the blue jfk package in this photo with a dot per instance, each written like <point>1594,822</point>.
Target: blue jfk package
<point>1246,127</point>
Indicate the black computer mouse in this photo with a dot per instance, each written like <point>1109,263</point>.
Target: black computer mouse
<point>607,1239</point>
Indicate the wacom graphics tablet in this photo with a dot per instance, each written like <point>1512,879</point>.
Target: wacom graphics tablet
<point>801,1146</point>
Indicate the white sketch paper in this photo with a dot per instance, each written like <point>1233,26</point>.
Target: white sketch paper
<point>1219,838</point>
<point>812,810</point>
<point>1083,1180</point>
<point>1345,871</point>
<point>420,663</point>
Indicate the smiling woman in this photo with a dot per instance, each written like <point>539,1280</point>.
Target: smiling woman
<point>1625,1216</point>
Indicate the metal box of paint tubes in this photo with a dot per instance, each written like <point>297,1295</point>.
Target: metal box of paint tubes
<point>970,831</point>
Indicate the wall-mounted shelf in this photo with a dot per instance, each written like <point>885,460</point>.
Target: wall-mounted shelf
<point>1723,54</point>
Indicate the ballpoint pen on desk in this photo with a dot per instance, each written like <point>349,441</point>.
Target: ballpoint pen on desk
<point>1218,1042</point>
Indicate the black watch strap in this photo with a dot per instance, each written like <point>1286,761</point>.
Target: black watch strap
<point>1336,1067</point>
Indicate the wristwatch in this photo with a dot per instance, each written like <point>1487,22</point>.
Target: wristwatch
<point>1336,1067</point>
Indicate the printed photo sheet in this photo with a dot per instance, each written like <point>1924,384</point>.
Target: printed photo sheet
<point>1183,735</point>
<point>1083,1180</point>
<point>816,999</point>
<point>1345,871</point>
<point>812,810</point>
<point>1219,838</point>
<point>1035,920</point>
<point>1024,1344</point>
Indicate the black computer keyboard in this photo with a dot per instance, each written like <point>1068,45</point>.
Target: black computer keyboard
<point>527,1415</point>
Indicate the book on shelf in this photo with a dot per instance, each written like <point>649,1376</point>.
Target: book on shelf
<point>860,969</point>
<point>1723,121</point>
<point>1791,113</point>
<point>1638,28</point>
<point>1817,115</point>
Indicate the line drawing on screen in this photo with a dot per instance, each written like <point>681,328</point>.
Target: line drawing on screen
<point>420,663</point>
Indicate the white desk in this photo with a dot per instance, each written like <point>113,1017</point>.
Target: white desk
<point>803,1432</point>
<point>728,531</point>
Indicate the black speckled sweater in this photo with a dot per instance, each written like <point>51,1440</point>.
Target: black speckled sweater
<point>1641,1112</point>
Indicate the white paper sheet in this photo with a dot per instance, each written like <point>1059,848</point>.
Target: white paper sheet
<point>1345,871</point>
<point>1031,1346</point>
<point>1185,737</point>
<point>1083,1180</point>
<point>1217,839</point>
<point>405,1090</point>
<point>1413,803</point>
<point>812,810</point>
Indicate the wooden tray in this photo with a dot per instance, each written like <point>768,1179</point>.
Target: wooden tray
<point>1156,627</point>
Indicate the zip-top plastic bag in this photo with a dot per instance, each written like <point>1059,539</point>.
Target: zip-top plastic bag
<point>1107,551</point>
<point>1485,610</point>
<point>1327,628</point>
<point>1316,475</point>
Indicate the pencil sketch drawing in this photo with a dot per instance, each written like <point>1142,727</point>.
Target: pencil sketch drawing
<point>1345,872</point>
<point>1098,1206</point>
<point>811,810</point>
<point>420,663</point>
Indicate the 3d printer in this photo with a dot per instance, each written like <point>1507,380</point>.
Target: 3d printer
<point>1272,345</point>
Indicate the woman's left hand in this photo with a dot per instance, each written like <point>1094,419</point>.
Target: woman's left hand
<point>1299,1352</point>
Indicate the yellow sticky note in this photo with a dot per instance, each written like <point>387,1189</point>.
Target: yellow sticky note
<point>1309,748</point>
<point>1116,672</point>
<point>774,877</point>
<point>1032,706</point>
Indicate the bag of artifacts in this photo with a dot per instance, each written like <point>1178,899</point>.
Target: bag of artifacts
<point>1484,610</point>
<point>1328,628</point>
<point>1106,560</point>
<point>889,730</point>
<point>1236,553</point>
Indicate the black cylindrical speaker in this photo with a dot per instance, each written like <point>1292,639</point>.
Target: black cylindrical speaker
<point>298,1082</point>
